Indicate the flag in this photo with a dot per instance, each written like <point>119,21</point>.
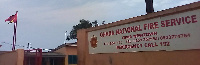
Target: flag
<point>12,18</point>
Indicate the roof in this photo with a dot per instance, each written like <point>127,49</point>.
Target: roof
<point>65,45</point>
<point>46,54</point>
<point>52,54</point>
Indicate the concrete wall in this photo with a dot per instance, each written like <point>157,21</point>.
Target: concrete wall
<point>12,57</point>
<point>185,57</point>
<point>71,50</point>
<point>68,50</point>
<point>62,50</point>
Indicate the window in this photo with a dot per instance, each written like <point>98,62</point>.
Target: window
<point>72,59</point>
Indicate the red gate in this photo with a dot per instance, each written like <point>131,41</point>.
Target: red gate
<point>33,57</point>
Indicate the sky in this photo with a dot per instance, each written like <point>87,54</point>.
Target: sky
<point>43,22</point>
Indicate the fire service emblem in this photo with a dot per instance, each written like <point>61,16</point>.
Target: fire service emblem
<point>93,41</point>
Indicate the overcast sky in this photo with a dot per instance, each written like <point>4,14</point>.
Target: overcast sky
<point>44,22</point>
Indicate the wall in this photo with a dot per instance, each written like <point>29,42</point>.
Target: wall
<point>67,50</point>
<point>185,57</point>
<point>71,50</point>
<point>189,57</point>
<point>12,57</point>
<point>62,50</point>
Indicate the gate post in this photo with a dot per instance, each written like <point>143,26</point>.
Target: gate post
<point>20,56</point>
<point>82,46</point>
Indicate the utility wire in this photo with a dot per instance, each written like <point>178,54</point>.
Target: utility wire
<point>25,46</point>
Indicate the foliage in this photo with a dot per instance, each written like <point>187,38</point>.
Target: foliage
<point>82,25</point>
<point>95,23</point>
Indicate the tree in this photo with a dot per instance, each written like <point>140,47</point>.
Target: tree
<point>82,25</point>
<point>103,22</point>
<point>95,23</point>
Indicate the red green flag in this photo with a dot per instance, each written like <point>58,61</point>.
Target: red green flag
<point>12,18</point>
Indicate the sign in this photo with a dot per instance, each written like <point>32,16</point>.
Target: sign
<point>173,32</point>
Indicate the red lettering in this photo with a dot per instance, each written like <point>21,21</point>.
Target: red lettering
<point>139,28</point>
<point>136,28</point>
<point>124,29</point>
<point>100,34</point>
<point>194,18</point>
<point>151,26</point>
<point>128,46</point>
<point>145,26</point>
<point>155,33</point>
<point>156,25</point>
<point>162,23</point>
<point>164,43</point>
<point>173,22</point>
<point>134,36</point>
<point>186,20</point>
<point>167,23</point>
<point>109,33</point>
<point>186,35</point>
<point>130,36</point>
<point>151,44</point>
<point>117,32</point>
<point>119,47</point>
<point>125,37</point>
<point>132,29</point>
<point>112,32</point>
<point>183,20</point>
<point>128,41</point>
<point>178,20</point>
<point>128,30</point>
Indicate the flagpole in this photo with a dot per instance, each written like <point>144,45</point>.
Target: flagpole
<point>13,19</point>
<point>16,28</point>
<point>15,31</point>
<point>13,47</point>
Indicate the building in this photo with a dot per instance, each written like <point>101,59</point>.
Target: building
<point>130,42</point>
<point>65,54</point>
<point>70,52</point>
